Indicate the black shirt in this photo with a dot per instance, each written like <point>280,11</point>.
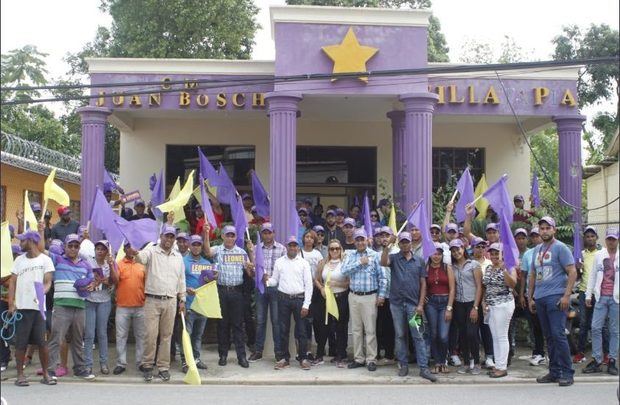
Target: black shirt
<point>337,233</point>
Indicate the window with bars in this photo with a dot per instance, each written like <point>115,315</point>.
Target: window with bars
<point>449,163</point>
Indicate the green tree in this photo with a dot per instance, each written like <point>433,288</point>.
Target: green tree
<point>437,45</point>
<point>596,84</point>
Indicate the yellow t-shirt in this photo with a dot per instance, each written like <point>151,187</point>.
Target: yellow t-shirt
<point>588,263</point>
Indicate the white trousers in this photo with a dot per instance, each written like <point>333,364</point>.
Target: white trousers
<point>499,322</point>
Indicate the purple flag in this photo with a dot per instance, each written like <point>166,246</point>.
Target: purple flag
<point>577,243</point>
<point>499,199</point>
<point>366,214</point>
<point>241,223</point>
<point>158,195</point>
<point>206,168</point>
<point>261,198</point>
<point>465,186</point>
<point>152,181</point>
<point>109,184</point>
<point>295,223</point>
<point>356,201</point>
<point>259,263</point>
<point>226,192</point>
<point>206,204</point>
<point>535,191</point>
<point>140,232</point>
<point>418,219</point>
<point>509,246</point>
<point>39,290</point>
<point>103,218</point>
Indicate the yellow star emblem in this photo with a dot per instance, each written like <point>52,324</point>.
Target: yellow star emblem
<point>349,56</point>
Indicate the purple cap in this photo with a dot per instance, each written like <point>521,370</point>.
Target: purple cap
<point>477,241</point>
<point>245,196</point>
<point>128,212</point>
<point>535,231</point>
<point>81,229</point>
<point>491,226</point>
<point>359,233</point>
<point>495,246</point>
<point>169,230</point>
<point>81,284</point>
<point>330,212</point>
<point>72,237</point>
<point>229,229</point>
<point>611,233</point>
<point>547,220</point>
<point>16,249</point>
<point>183,235</point>
<point>456,243</point>
<point>55,249</point>
<point>103,242</point>
<point>30,235</point>
<point>377,231</point>
<point>139,202</point>
<point>318,228</point>
<point>384,202</point>
<point>267,226</point>
<point>438,246</point>
<point>195,239</point>
<point>303,209</point>
<point>349,221</point>
<point>339,211</point>
<point>519,197</point>
<point>435,226</point>
<point>292,239</point>
<point>590,229</point>
<point>387,229</point>
<point>56,242</point>
<point>452,227</point>
<point>520,231</point>
<point>35,206</point>
<point>404,236</point>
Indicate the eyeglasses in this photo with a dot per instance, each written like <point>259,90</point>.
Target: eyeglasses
<point>334,249</point>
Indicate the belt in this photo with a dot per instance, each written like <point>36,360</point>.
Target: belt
<point>159,297</point>
<point>230,287</point>
<point>340,294</point>
<point>299,296</point>
<point>364,292</point>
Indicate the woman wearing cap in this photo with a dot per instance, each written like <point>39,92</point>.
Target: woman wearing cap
<point>468,283</point>
<point>441,291</point>
<point>499,305</point>
<point>329,274</point>
<point>313,257</point>
<point>99,306</point>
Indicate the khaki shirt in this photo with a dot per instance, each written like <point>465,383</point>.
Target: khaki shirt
<point>165,272</point>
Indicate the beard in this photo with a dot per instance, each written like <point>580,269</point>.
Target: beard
<point>546,238</point>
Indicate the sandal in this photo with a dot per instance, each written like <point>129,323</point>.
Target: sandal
<point>445,369</point>
<point>436,369</point>
<point>48,381</point>
<point>22,382</point>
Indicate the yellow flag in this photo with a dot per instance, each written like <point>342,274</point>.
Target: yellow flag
<point>331,307</point>
<point>178,198</point>
<point>207,301</point>
<point>482,204</point>
<point>5,250</point>
<point>30,221</point>
<point>392,219</point>
<point>193,376</point>
<point>120,255</point>
<point>54,192</point>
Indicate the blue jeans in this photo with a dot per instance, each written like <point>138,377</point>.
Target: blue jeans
<point>195,325</point>
<point>267,302</point>
<point>97,314</point>
<point>401,313</point>
<point>552,321</point>
<point>605,308</point>
<point>439,328</point>
<point>585,324</point>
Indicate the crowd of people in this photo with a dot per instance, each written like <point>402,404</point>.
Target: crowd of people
<point>330,277</point>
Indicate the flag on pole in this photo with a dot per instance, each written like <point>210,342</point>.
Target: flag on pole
<point>509,246</point>
<point>482,204</point>
<point>176,202</point>
<point>108,182</point>
<point>226,191</point>
<point>158,195</point>
<point>366,214</point>
<point>207,301</point>
<point>206,168</point>
<point>139,232</point>
<point>103,218</point>
<point>205,203</point>
<point>6,253</point>
<point>241,223</point>
<point>392,220</point>
<point>30,221</point>
<point>418,219</point>
<point>120,254</point>
<point>261,198</point>
<point>259,263</point>
<point>535,191</point>
<point>499,199</point>
<point>192,377</point>
<point>465,187</point>
<point>577,243</point>
<point>52,191</point>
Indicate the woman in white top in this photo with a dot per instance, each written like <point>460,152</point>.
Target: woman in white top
<point>329,274</point>
<point>313,257</point>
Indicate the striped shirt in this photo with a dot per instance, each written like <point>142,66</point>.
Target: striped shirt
<point>365,278</point>
<point>230,264</point>
<point>271,254</point>
<point>67,272</point>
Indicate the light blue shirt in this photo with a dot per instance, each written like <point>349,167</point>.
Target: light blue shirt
<point>365,278</point>
<point>550,264</point>
<point>231,263</point>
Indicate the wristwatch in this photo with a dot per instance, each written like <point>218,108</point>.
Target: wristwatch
<point>449,308</point>
<point>476,307</point>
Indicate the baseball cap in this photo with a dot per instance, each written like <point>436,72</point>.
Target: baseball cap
<point>387,229</point>
<point>72,237</point>
<point>55,249</point>
<point>339,211</point>
<point>169,230</point>
<point>266,226</point>
<point>383,202</point>
<point>519,197</point>
<point>349,221</point>
<point>246,196</point>
<point>182,235</point>
<point>330,212</point>
<point>611,233</point>
<point>520,231</point>
<point>590,229</point>
<point>534,231</point>
<point>478,241</point>
<point>491,226</point>
<point>104,243</point>
<point>377,231</point>
<point>30,235</point>
<point>438,246</point>
<point>63,211</point>
<point>303,209</point>
<point>547,220</point>
<point>229,229</point>
<point>139,202</point>
<point>56,242</point>
<point>452,227</point>
<point>435,226</point>
<point>318,228</point>
<point>195,239</point>
<point>456,243</point>
<point>292,239</point>
<point>35,206</point>
<point>495,246</point>
<point>404,236</point>
<point>359,233</point>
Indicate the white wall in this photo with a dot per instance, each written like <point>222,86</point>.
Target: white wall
<point>608,178</point>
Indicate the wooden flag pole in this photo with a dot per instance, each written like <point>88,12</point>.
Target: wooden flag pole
<point>453,196</point>
<point>43,211</point>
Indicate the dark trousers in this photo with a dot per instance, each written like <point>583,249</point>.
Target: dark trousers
<point>536,331</point>
<point>338,329</point>
<point>231,303</point>
<point>453,336</point>
<point>5,350</point>
<point>286,308</point>
<point>553,322</point>
<point>248,314</point>
<point>385,330</point>
<point>469,342</point>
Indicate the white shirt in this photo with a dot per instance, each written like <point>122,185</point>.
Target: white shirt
<point>29,271</point>
<point>292,276</point>
<point>313,258</point>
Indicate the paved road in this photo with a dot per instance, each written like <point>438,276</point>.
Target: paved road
<point>80,393</point>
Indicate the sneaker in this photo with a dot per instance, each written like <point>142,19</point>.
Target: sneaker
<point>593,367</point>
<point>475,370</point>
<point>537,360</point>
<point>222,362</point>
<point>256,356</point>
<point>86,375</point>
<point>579,358</point>
<point>147,373</point>
<point>105,370</point>
<point>565,382</point>
<point>372,366</point>
<point>118,370</point>
<point>61,371</point>
<point>281,364</point>
<point>463,370</point>
<point>184,368</point>
<point>164,375</point>
<point>318,361</point>
<point>546,379</point>
<point>310,357</point>
<point>426,373</point>
<point>455,360</point>
<point>355,364</point>
<point>489,363</point>
<point>305,364</point>
<point>201,365</point>
<point>612,368</point>
<point>403,371</point>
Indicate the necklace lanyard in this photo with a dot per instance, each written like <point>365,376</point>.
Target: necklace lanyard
<point>541,257</point>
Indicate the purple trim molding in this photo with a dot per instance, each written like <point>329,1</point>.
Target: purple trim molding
<point>569,139</point>
<point>417,149</point>
<point>398,133</point>
<point>283,113</point>
<point>93,152</point>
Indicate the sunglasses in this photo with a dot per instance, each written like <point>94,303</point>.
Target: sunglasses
<point>334,249</point>
<point>374,215</point>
